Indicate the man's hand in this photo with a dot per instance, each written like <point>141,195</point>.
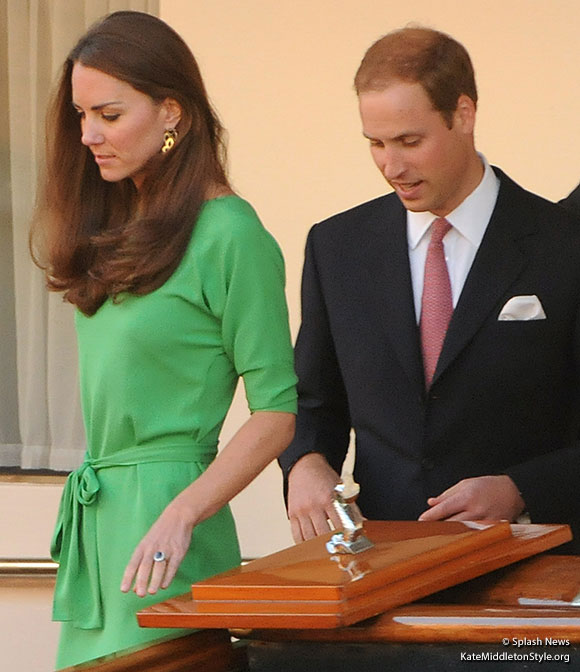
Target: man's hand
<point>481,498</point>
<point>310,497</point>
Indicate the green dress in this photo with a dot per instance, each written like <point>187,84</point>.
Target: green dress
<point>157,374</point>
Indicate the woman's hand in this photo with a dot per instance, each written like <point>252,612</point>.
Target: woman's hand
<point>170,534</point>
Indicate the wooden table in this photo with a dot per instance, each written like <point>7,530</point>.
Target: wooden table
<point>513,618</point>
<point>531,609</point>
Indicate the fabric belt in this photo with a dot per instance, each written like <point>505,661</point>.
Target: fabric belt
<point>77,595</point>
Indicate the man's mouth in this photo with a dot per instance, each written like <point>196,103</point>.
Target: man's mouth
<point>406,189</point>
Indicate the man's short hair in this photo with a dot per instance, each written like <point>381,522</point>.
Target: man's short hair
<point>428,57</point>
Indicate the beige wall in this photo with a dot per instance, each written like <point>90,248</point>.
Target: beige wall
<point>280,73</point>
<point>28,638</point>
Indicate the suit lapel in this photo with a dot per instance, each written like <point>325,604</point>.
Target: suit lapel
<point>498,263</point>
<point>387,265</point>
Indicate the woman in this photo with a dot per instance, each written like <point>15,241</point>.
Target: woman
<point>179,291</point>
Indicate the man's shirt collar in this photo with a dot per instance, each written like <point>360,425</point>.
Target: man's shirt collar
<point>470,218</point>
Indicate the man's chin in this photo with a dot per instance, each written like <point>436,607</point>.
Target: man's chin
<point>413,204</point>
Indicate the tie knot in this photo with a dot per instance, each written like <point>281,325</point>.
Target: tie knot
<point>438,230</point>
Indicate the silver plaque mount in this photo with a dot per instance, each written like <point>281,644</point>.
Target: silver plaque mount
<point>352,538</point>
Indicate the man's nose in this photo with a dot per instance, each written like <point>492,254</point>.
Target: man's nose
<point>391,164</point>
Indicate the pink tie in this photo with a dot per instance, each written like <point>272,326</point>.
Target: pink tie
<point>437,302</point>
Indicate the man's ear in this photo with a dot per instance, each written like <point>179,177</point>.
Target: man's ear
<point>464,115</point>
<point>172,111</point>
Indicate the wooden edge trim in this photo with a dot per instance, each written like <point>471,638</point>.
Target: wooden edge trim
<point>207,650</point>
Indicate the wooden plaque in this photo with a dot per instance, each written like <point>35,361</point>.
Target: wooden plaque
<point>306,587</point>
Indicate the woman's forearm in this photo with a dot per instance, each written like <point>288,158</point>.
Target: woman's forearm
<point>259,440</point>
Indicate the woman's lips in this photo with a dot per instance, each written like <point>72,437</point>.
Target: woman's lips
<point>104,159</point>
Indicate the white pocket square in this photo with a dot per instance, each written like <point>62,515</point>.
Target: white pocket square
<point>523,308</point>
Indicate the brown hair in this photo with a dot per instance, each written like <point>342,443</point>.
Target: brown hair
<point>428,57</point>
<point>96,239</point>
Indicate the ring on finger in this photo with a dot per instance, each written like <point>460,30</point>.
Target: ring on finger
<point>159,556</point>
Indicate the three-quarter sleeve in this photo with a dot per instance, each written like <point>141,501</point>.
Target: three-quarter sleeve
<point>247,293</point>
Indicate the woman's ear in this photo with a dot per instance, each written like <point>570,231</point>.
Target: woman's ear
<point>172,111</point>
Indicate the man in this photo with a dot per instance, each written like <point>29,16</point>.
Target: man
<point>486,428</point>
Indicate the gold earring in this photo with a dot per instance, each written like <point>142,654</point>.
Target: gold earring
<point>169,138</point>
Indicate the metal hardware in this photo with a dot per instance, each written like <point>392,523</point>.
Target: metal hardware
<point>352,538</point>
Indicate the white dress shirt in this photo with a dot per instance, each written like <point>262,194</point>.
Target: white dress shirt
<point>469,221</point>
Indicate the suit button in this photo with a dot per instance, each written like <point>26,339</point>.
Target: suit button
<point>427,463</point>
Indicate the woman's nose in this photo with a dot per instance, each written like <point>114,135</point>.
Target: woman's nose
<point>91,134</point>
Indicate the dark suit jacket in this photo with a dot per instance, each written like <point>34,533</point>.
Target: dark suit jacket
<point>572,202</point>
<point>504,398</point>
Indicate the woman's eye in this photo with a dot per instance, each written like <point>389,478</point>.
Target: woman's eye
<point>111,117</point>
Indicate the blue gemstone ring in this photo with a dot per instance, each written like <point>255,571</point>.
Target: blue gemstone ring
<point>159,556</point>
